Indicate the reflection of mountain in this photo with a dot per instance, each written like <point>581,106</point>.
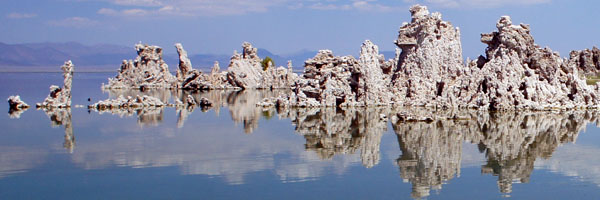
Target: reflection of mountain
<point>62,117</point>
<point>431,151</point>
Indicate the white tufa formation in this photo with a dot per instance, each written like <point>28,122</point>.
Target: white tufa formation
<point>60,97</point>
<point>149,70</point>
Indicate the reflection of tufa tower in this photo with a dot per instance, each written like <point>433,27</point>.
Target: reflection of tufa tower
<point>62,116</point>
<point>431,151</point>
<point>331,131</point>
<point>513,142</point>
<point>431,154</point>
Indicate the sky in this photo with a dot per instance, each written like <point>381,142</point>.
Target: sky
<point>286,26</point>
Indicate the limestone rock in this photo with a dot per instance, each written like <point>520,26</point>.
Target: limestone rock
<point>149,70</point>
<point>192,79</point>
<point>517,74</point>
<point>587,61</point>
<point>245,70</point>
<point>431,61</point>
<point>60,97</point>
<point>185,65</point>
<point>16,107</point>
<point>129,102</point>
<point>369,83</point>
<point>15,103</point>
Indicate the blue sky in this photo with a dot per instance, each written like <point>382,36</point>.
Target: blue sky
<point>286,26</point>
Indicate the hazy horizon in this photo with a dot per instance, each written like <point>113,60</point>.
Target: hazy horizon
<point>286,26</point>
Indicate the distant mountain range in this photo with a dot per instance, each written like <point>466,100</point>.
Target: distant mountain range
<point>106,57</point>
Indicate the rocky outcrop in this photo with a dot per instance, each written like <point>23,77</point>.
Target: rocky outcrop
<point>330,81</point>
<point>370,80</point>
<point>514,74</point>
<point>148,70</point>
<point>587,61</point>
<point>325,82</point>
<point>189,78</point>
<point>245,70</point>
<point>60,97</point>
<point>15,103</point>
<point>517,74</point>
<point>278,78</point>
<point>430,62</point>
<point>16,107</point>
<point>129,102</point>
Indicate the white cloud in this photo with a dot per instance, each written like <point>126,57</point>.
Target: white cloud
<point>161,8</point>
<point>367,6</point>
<point>478,3</point>
<point>150,3</point>
<point>190,7</point>
<point>76,22</point>
<point>322,6</point>
<point>21,15</point>
<point>360,5</point>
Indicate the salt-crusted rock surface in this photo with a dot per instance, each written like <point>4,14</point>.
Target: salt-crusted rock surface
<point>15,103</point>
<point>16,107</point>
<point>517,74</point>
<point>148,70</point>
<point>587,61</point>
<point>330,81</point>
<point>325,82</point>
<point>189,78</point>
<point>430,62</point>
<point>246,71</point>
<point>60,97</point>
<point>129,102</point>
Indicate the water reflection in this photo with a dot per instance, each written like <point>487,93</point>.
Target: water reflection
<point>431,151</point>
<point>334,139</point>
<point>15,113</point>
<point>331,131</point>
<point>62,117</point>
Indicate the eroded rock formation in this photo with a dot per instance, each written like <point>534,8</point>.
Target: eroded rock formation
<point>587,61</point>
<point>189,78</point>
<point>246,71</point>
<point>15,102</point>
<point>514,74</point>
<point>129,102</point>
<point>330,81</point>
<point>16,106</point>
<point>60,97</point>
<point>517,74</point>
<point>430,62</point>
<point>148,70</point>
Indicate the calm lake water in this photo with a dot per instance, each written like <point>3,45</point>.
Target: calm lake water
<point>238,151</point>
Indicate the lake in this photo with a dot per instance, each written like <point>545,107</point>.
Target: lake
<point>236,150</point>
